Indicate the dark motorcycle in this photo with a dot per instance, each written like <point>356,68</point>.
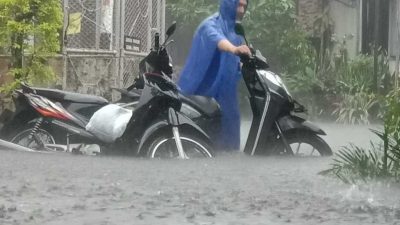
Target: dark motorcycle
<point>275,128</point>
<point>204,111</point>
<point>157,128</point>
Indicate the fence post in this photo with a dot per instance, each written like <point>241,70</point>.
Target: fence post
<point>117,40</point>
<point>377,20</point>
<point>64,38</point>
<point>121,40</point>
<point>162,24</point>
<point>397,46</point>
<point>150,22</point>
<point>98,8</point>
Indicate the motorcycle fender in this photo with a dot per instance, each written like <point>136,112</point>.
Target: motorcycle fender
<point>292,122</point>
<point>182,122</point>
<point>150,131</point>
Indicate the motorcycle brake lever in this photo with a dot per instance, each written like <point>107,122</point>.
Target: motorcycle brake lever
<point>168,43</point>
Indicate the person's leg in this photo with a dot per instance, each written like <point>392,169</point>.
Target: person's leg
<point>229,135</point>
<point>230,131</point>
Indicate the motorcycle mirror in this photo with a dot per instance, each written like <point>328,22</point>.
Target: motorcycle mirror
<point>171,29</point>
<point>240,31</point>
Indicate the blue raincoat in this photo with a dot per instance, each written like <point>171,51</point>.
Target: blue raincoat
<point>213,73</point>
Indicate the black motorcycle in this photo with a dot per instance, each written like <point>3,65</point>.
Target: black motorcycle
<point>204,111</point>
<point>275,128</point>
<point>157,128</point>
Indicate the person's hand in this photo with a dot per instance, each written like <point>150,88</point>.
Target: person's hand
<point>242,50</point>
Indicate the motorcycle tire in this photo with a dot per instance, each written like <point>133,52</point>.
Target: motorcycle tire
<point>163,146</point>
<point>296,139</point>
<point>42,136</point>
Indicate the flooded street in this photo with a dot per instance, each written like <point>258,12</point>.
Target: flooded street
<point>229,189</point>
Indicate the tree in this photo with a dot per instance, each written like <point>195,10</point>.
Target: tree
<point>29,31</point>
<point>270,25</point>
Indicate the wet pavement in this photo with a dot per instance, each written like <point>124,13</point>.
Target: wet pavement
<point>229,189</point>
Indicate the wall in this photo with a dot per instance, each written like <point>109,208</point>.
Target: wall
<point>93,74</point>
<point>307,12</point>
<point>347,23</point>
<point>345,16</point>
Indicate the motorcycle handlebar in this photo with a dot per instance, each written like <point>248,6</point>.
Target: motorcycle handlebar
<point>245,57</point>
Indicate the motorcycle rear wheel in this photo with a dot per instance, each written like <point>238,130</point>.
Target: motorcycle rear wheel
<point>36,142</point>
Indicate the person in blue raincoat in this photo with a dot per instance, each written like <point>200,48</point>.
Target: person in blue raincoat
<point>213,67</point>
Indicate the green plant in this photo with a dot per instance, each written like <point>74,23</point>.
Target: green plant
<point>355,108</point>
<point>355,75</point>
<point>29,31</point>
<point>191,12</point>
<point>357,102</point>
<point>353,163</point>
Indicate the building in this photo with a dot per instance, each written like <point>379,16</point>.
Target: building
<point>357,19</point>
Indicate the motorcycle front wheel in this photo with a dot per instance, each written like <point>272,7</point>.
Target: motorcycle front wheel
<point>164,146</point>
<point>307,144</point>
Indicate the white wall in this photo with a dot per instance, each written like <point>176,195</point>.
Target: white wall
<point>347,21</point>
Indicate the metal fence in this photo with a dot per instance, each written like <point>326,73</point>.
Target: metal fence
<point>104,40</point>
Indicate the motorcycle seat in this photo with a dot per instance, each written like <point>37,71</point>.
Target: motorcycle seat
<point>206,105</point>
<point>59,95</point>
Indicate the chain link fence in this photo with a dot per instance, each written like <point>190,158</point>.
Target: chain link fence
<point>90,24</point>
<point>104,41</point>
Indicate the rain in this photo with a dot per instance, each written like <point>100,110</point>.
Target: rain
<point>95,129</point>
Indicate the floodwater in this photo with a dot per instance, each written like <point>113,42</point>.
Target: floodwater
<point>230,189</point>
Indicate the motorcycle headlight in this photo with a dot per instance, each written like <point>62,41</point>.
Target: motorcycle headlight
<point>274,79</point>
<point>280,81</point>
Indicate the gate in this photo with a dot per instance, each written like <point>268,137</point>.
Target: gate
<point>104,41</point>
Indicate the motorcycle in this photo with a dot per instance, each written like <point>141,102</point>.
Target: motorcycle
<point>156,129</point>
<point>276,128</point>
<point>204,111</point>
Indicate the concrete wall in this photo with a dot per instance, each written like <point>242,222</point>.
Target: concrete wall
<point>347,23</point>
<point>91,75</point>
<point>346,19</point>
<point>85,74</point>
<point>394,43</point>
<point>307,12</point>
<point>346,16</point>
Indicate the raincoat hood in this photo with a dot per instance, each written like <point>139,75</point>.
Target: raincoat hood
<point>227,11</point>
